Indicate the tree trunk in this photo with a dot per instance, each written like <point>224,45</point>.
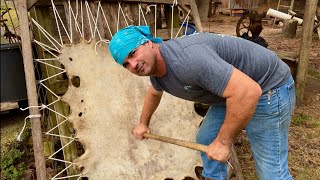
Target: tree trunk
<point>307,30</point>
<point>203,6</point>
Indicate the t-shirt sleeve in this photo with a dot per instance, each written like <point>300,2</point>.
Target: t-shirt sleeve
<point>156,84</point>
<point>205,68</point>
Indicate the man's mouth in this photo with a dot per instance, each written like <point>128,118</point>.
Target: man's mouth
<point>140,67</point>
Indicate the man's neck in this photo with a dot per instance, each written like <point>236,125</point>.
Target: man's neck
<point>161,65</point>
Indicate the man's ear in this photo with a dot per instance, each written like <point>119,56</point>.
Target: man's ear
<point>149,43</point>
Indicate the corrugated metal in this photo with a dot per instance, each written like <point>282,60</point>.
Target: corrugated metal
<point>239,4</point>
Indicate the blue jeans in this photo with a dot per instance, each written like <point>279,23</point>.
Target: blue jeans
<point>267,132</point>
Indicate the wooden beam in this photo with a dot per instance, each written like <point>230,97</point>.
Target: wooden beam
<point>184,8</point>
<point>318,28</point>
<point>307,30</point>
<point>195,15</point>
<point>31,3</point>
<point>185,2</point>
<point>293,56</point>
<point>31,90</point>
<point>236,166</point>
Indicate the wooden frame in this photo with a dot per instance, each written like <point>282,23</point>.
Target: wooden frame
<point>181,3</point>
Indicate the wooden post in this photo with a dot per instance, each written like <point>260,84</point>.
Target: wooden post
<point>318,28</point>
<point>31,3</point>
<point>69,152</point>
<point>289,28</point>
<point>204,8</point>
<point>195,14</point>
<point>235,164</point>
<point>307,30</point>
<point>31,90</point>
<point>169,18</point>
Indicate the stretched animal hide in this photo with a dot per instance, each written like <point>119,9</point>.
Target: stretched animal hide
<point>107,106</point>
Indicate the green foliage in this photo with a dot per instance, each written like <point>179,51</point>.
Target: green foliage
<point>300,119</point>
<point>12,164</point>
<point>313,72</point>
<point>3,6</point>
<point>12,19</point>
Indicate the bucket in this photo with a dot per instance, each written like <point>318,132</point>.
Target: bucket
<point>191,28</point>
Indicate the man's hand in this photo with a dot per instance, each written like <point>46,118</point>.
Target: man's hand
<point>151,102</point>
<point>218,151</point>
<point>140,130</point>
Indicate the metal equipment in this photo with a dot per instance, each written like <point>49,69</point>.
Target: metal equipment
<point>249,27</point>
<point>250,23</point>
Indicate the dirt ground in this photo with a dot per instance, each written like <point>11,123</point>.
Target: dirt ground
<point>304,140</point>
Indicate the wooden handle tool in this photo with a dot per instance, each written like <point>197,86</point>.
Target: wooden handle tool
<point>186,144</point>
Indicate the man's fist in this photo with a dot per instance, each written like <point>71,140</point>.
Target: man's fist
<point>140,130</point>
<point>218,151</point>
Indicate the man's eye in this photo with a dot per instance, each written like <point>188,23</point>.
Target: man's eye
<point>125,65</point>
<point>132,53</point>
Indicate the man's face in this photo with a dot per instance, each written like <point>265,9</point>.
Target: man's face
<point>142,61</point>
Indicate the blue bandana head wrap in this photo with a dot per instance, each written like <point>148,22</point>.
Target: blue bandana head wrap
<point>128,39</point>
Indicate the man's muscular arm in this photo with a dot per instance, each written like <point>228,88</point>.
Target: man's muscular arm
<point>242,95</point>
<point>151,102</point>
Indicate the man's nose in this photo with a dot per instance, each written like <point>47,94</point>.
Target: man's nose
<point>133,63</point>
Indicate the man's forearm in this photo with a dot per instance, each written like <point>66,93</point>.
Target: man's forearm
<point>240,110</point>
<point>242,95</point>
<point>151,102</point>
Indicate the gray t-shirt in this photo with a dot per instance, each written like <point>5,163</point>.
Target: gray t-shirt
<point>199,66</point>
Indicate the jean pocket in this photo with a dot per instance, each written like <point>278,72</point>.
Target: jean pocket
<point>268,104</point>
<point>292,97</point>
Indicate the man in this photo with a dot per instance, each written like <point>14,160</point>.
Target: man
<point>247,85</point>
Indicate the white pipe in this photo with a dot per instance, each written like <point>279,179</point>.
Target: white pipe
<point>283,16</point>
